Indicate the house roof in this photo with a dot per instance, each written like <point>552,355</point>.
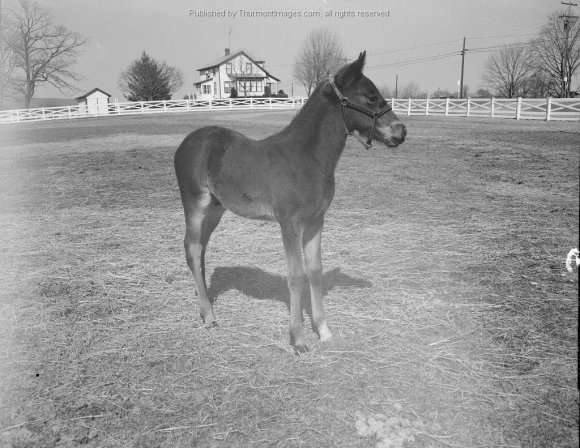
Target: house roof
<point>226,58</point>
<point>91,92</point>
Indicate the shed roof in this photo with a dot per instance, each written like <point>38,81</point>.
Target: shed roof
<point>96,89</point>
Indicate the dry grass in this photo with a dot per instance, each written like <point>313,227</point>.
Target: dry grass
<point>455,321</point>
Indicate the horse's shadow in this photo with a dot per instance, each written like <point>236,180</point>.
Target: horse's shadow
<point>262,285</point>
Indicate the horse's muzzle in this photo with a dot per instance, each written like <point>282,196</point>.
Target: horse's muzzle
<point>399,133</point>
<point>392,135</point>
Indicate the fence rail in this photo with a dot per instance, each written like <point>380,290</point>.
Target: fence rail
<point>518,108</point>
<point>147,107</point>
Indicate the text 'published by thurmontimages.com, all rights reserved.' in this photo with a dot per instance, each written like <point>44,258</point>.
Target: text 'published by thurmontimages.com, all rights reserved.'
<point>288,14</point>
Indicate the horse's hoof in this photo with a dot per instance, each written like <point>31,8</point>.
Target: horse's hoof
<point>209,321</point>
<point>324,333</point>
<point>300,349</point>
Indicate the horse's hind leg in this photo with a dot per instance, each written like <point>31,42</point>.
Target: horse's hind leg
<point>202,215</point>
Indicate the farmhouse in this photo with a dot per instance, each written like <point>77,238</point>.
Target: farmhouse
<point>95,102</point>
<point>239,71</point>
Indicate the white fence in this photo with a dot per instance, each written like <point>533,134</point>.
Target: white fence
<point>518,108</point>
<point>148,107</point>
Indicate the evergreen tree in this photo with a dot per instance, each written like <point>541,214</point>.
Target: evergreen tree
<point>147,79</point>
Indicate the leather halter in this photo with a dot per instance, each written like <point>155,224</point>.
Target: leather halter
<point>347,104</point>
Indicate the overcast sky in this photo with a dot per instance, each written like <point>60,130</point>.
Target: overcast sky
<point>420,40</point>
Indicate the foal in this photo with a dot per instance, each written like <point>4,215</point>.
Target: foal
<point>287,177</point>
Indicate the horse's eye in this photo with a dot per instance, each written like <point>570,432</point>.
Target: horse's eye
<point>373,99</point>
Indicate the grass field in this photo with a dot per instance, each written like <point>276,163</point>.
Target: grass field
<point>454,318</point>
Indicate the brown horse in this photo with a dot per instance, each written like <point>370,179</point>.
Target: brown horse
<point>287,177</point>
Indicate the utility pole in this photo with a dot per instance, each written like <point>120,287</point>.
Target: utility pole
<point>462,69</point>
<point>567,72</point>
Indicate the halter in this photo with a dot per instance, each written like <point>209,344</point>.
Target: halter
<point>347,104</point>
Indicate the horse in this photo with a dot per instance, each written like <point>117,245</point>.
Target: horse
<point>287,177</point>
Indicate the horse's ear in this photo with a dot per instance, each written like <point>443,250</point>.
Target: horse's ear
<point>361,60</point>
<point>352,72</point>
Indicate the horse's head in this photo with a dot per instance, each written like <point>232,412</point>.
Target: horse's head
<point>364,108</point>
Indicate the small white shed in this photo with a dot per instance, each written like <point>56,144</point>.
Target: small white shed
<point>96,102</point>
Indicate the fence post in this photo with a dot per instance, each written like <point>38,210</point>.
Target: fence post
<point>164,106</point>
<point>468,106</point>
<point>447,107</point>
<point>142,107</point>
<point>519,108</point>
<point>270,101</point>
<point>548,108</point>
<point>427,107</point>
<point>210,104</point>
<point>393,103</point>
<point>492,105</point>
<point>409,107</point>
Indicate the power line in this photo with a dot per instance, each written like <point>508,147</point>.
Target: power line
<point>411,48</point>
<point>499,47</point>
<point>415,61</point>
<point>508,33</point>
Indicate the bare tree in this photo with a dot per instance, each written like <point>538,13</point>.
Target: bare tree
<point>542,85</point>
<point>482,92</point>
<point>509,69</point>
<point>6,61</point>
<point>557,50</point>
<point>146,79</point>
<point>243,72</point>
<point>40,52</point>
<point>321,55</point>
<point>387,92</point>
<point>442,93</point>
<point>412,90</point>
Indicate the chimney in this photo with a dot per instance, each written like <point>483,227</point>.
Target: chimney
<point>227,51</point>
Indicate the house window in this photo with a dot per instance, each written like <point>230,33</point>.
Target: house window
<point>227,87</point>
<point>254,86</point>
<point>206,89</point>
<point>229,68</point>
<point>249,67</point>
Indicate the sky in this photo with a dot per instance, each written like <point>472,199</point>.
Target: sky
<point>416,40</point>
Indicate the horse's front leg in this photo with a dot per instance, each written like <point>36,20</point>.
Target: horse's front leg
<point>292,238</point>
<point>311,241</point>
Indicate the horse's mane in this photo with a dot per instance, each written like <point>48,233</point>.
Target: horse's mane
<point>304,118</point>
